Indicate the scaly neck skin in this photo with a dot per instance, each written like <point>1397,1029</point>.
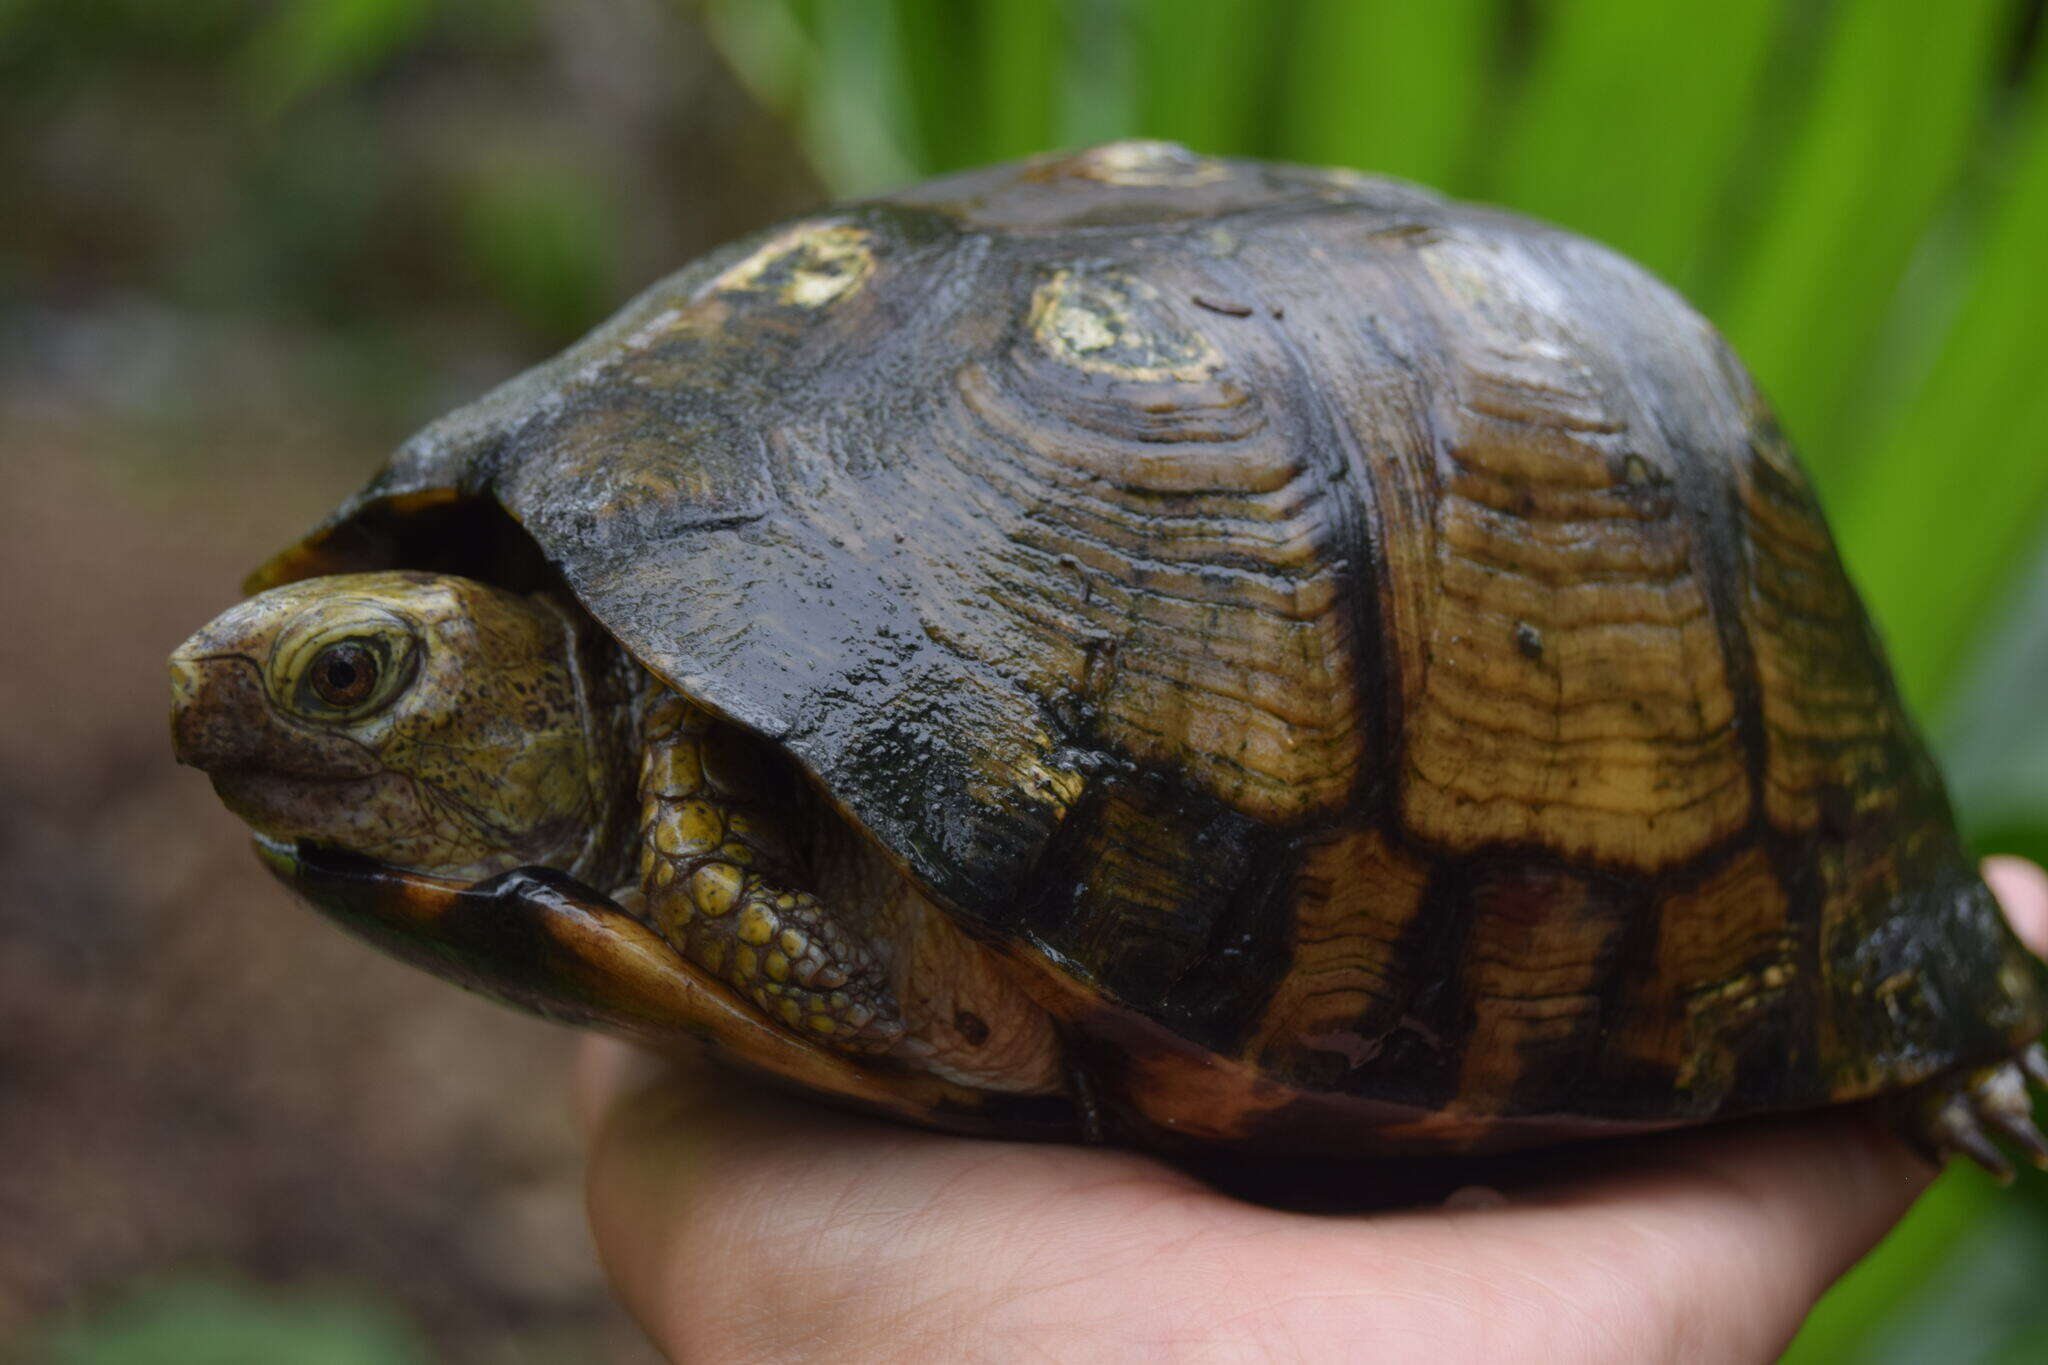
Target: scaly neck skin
<point>612,692</point>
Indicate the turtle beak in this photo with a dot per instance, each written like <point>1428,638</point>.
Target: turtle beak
<point>214,699</point>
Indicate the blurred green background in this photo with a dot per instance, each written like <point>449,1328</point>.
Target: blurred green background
<point>247,246</point>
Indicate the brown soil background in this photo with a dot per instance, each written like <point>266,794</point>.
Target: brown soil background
<point>197,1075</point>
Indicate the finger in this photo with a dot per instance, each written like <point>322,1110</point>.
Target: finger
<point>1722,1238</point>
<point>734,1221</point>
<point>2022,889</point>
<point>1706,1246</point>
<point>606,1070</point>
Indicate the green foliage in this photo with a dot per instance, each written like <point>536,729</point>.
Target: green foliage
<point>219,1322</point>
<point>1585,148</point>
<point>1399,88</point>
<point>305,45</point>
<point>1016,48</point>
<point>1947,501</point>
<point>1891,117</point>
<point>1204,72</point>
<point>540,237</point>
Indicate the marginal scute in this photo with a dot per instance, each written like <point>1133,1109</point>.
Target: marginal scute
<point>1541,949</point>
<point>1355,900</point>
<point>1728,980</point>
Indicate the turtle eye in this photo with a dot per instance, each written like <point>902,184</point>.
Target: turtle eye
<point>344,675</point>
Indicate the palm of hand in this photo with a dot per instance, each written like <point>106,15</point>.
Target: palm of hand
<point>740,1225</point>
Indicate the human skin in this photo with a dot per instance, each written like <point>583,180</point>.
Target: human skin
<point>736,1224</point>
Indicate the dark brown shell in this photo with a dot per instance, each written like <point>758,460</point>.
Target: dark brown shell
<point>1375,657</point>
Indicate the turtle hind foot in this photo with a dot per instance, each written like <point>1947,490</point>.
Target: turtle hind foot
<point>1961,1114</point>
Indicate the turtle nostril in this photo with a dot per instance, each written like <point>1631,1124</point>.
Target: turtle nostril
<point>184,692</point>
<point>184,681</point>
<point>209,710</point>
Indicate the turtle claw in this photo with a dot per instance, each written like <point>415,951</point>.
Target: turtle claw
<point>2034,1061</point>
<point>2004,1102</point>
<point>1955,1112</point>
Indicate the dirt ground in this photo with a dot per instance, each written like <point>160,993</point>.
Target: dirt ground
<point>197,1075</point>
<point>200,1080</point>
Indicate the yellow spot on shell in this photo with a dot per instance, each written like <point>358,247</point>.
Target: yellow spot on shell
<point>1146,161</point>
<point>808,266</point>
<point>664,872</point>
<point>716,888</point>
<point>756,926</point>
<point>737,853</point>
<point>792,942</point>
<point>790,1010</point>
<point>819,1023</point>
<point>744,963</point>
<point>776,964</point>
<point>1117,325</point>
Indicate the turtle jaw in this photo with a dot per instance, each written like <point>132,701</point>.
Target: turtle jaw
<point>280,784</point>
<point>290,782</point>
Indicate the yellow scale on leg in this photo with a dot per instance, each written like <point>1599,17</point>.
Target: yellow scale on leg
<point>716,880</point>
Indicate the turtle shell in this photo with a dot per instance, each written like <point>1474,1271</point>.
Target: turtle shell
<point>1372,660</point>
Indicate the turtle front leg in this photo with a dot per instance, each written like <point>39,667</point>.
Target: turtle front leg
<point>1960,1112</point>
<point>720,879</point>
<point>778,948</point>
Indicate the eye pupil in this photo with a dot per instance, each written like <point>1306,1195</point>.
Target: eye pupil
<point>344,674</point>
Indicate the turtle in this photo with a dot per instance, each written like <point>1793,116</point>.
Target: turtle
<point>1141,647</point>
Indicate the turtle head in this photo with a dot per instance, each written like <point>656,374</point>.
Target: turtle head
<point>424,720</point>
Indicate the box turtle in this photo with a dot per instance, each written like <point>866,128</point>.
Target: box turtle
<point>1139,647</point>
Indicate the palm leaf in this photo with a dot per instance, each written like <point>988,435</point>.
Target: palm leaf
<point>1387,87</point>
<point>1630,121</point>
<point>1885,136</point>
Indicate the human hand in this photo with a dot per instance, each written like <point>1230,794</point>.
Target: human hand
<point>741,1225</point>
